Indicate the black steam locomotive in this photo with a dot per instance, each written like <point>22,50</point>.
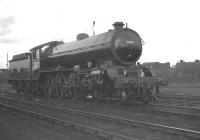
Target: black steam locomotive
<point>100,67</point>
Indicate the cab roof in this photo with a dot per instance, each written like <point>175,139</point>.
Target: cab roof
<point>51,43</point>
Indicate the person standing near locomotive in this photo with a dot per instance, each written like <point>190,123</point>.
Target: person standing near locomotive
<point>140,76</point>
<point>145,72</point>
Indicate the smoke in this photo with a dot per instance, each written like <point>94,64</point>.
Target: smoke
<point>6,28</point>
<point>1,62</point>
<point>7,40</point>
<point>5,23</point>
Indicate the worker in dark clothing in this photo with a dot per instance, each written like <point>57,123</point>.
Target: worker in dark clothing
<point>145,72</point>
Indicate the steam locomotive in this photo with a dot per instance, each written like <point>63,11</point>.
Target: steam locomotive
<point>100,67</point>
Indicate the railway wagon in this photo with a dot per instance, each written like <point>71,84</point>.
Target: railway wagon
<point>99,67</point>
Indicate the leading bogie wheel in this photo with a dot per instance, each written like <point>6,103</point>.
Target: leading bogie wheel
<point>146,95</point>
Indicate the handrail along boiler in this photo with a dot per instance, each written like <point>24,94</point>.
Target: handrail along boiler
<point>101,67</point>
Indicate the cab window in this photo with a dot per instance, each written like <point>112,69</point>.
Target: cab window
<point>37,54</point>
<point>34,54</point>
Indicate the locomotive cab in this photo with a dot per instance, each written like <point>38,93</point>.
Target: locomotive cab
<point>35,55</point>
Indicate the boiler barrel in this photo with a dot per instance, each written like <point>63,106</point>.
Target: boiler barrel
<point>123,46</point>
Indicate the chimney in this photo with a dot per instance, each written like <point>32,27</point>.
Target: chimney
<point>181,61</point>
<point>118,25</point>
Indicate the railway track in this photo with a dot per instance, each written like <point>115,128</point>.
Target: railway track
<point>131,123</point>
<point>190,112</point>
<point>178,97</point>
<point>178,100</point>
<point>181,100</point>
<point>179,110</point>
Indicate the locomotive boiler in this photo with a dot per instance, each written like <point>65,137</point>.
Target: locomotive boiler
<point>121,45</point>
<point>100,67</point>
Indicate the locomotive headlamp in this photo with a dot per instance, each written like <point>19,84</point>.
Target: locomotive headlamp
<point>123,94</point>
<point>125,73</point>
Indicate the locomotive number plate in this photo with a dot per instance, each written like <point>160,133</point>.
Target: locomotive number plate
<point>129,42</point>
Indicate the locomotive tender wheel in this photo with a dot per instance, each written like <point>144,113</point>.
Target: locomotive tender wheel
<point>45,88</point>
<point>36,88</point>
<point>17,87</point>
<point>20,87</point>
<point>14,85</point>
<point>146,94</point>
<point>26,86</point>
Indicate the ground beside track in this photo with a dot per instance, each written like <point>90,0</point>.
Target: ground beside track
<point>190,88</point>
<point>14,126</point>
<point>182,91</point>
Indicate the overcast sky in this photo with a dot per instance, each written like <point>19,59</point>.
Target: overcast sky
<point>170,28</point>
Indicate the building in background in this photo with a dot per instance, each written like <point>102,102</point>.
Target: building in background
<point>3,70</point>
<point>158,69</point>
<point>187,70</point>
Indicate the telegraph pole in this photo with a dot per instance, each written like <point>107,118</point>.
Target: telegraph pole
<point>93,28</point>
<point>7,62</point>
